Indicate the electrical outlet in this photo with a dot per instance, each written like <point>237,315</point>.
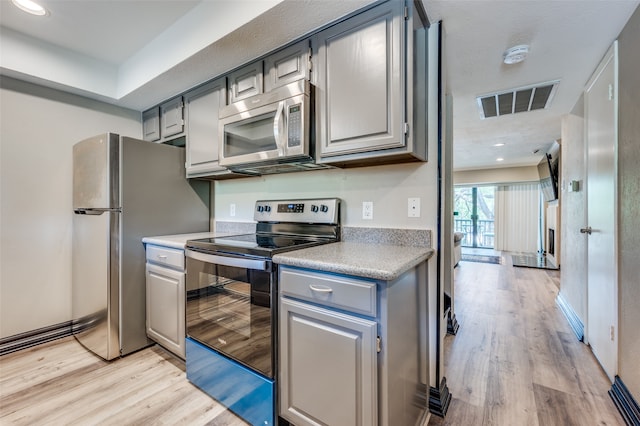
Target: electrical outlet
<point>367,210</point>
<point>232,209</point>
<point>413,209</point>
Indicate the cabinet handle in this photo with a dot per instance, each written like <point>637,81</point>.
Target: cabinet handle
<point>162,256</point>
<point>320,289</point>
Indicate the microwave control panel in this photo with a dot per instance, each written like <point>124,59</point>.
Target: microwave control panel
<point>294,130</point>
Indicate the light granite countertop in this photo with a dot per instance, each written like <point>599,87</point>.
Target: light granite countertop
<point>178,241</point>
<point>378,261</point>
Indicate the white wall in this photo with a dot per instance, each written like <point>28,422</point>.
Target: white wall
<point>38,128</point>
<point>573,284</point>
<point>388,187</point>
<point>496,175</point>
<point>573,280</point>
<point>629,208</point>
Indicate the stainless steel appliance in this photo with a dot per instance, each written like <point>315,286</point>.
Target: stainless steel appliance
<point>232,293</point>
<point>124,189</point>
<point>268,133</point>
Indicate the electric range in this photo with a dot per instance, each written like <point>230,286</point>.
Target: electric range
<point>232,293</point>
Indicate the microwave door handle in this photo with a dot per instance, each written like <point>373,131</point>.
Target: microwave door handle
<point>277,124</point>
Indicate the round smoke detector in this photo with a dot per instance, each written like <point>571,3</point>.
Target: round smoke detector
<point>515,54</point>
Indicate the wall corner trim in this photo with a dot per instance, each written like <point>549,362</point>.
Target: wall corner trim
<point>627,406</point>
<point>571,316</point>
<point>452,324</point>
<point>439,399</point>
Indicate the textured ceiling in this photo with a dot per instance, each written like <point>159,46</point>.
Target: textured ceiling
<point>567,39</point>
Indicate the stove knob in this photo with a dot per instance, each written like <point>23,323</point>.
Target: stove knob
<point>324,208</point>
<point>314,208</point>
<point>260,209</point>
<point>267,209</point>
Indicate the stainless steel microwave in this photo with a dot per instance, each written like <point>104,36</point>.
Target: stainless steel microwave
<point>268,133</point>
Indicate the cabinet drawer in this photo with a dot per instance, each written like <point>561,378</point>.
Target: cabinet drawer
<point>341,292</point>
<point>173,258</point>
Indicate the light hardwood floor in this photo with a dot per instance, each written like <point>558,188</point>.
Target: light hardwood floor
<point>515,360</point>
<point>61,383</point>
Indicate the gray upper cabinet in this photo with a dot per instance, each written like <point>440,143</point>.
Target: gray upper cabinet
<point>151,125</point>
<point>202,106</point>
<point>287,65</point>
<point>172,119</point>
<point>358,83</point>
<point>375,81</point>
<point>245,82</point>
<point>363,105</point>
<point>164,122</point>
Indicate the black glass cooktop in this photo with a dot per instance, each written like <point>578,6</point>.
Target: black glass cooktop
<point>255,244</point>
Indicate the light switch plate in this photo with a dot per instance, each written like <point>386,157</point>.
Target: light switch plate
<point>232,209</point>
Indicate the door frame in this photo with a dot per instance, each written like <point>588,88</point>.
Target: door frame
<point>611,55</point>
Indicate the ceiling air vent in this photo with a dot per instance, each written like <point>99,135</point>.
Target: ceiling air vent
<point>524,99</point>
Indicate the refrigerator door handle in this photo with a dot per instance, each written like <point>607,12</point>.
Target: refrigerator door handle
<point>97,212</point>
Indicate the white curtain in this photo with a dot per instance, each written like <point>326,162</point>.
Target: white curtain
<point>517,213</point>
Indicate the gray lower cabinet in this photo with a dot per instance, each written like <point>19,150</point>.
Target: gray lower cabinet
<point>165,286</point>
<point>328,366</point>
<point>202,107</point>
<point>363,71</point>
<point>349,348</point>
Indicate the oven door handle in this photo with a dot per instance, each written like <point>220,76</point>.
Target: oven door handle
<point>259,265</point>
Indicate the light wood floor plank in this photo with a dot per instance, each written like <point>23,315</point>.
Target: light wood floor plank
<point>515,360</point>
<point>61,383</point>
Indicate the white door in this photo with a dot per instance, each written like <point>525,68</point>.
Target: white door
<point>602,287</point>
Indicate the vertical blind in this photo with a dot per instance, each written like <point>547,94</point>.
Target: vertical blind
<point>517,213</point>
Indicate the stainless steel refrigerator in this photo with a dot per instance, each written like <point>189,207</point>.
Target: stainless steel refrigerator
<point>124,189</point>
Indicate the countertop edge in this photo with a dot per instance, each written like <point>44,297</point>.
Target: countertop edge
<point>178,241</point>
<point>348,267</point>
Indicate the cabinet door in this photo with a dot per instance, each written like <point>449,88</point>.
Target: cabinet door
<point>360,82</point>
<point>287,65</point>
<point>245,82</point>
<point>327,367</point>
<point>202,107</point>
<point>165,308</point>
<point>172,118</point>
<point>151,125</point>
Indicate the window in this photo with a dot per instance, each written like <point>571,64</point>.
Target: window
<point>474,215</point>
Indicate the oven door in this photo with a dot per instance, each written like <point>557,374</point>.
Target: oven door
<point>230,303</point>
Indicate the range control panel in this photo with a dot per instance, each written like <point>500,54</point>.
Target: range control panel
<point>319,210</point>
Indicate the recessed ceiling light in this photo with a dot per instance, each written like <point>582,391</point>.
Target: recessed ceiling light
<point>515,54</point>
<point>30,7</point>
<point>498,144</point>
<point>499,159</point>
